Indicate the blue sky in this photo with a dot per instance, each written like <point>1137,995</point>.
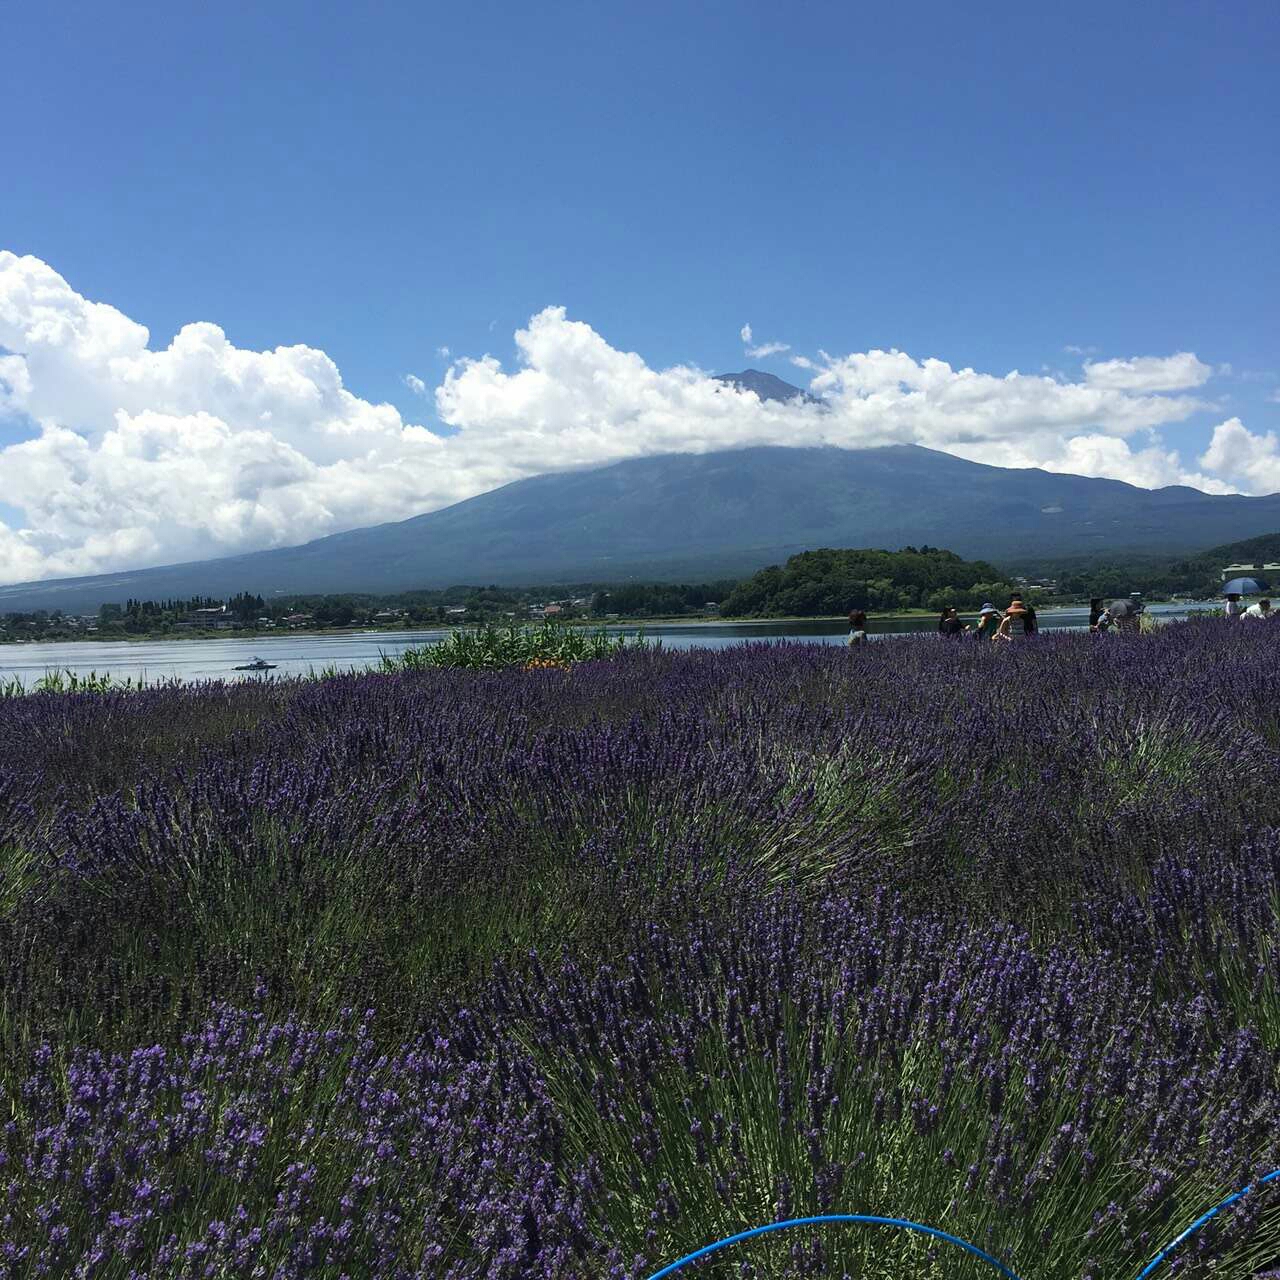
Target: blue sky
<point>984,187</point>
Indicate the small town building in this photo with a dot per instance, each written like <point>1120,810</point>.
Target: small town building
<point>1268,573</point>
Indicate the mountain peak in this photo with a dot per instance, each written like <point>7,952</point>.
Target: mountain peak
<point>765,385</point>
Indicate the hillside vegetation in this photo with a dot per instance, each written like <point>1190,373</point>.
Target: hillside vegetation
<point>817,583</point>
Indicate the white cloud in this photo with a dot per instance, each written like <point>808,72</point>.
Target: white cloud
<point>1250,461</point>
<point>443,352</point>
<point>1074,350</point>
<point>202,448</point>
<point>764,349</point>
<point>415,384</point>
<point>1105,457</point>
<point>1148,373</point>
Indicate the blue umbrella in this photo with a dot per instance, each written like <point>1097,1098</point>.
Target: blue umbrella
<point>1245,587</point>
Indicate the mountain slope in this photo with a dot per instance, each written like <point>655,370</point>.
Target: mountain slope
<point>692,515</point>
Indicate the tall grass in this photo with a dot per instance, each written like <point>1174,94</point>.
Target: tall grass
<point>491,648</point>
<point>68,681</point>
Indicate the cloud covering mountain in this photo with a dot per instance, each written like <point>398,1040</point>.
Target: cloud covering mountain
<point>129,455</point>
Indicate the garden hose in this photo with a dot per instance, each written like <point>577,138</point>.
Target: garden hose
<point>920,1229</point>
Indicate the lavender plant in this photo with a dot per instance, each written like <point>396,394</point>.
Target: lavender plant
<point>564,973</point>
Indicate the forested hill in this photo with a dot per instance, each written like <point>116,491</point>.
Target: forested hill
<point>1260,550</point>
<point>824,582</point>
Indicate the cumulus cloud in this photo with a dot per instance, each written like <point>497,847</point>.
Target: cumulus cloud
<point>1148,373</point>
<point>1251,461</point>
<point>415,384</point>
<point>1101,456</point>
<point>200,448</point>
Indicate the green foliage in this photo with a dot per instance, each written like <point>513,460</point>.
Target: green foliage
<point>69,681</point>
<point>496,648</point>
<point>1198,575</point>
<point>659,599</point>
<point>828,581</point>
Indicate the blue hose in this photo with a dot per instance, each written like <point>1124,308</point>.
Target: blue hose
<point>1200,1221</point>
<point>917,1227</point>
<point>673,1267</point>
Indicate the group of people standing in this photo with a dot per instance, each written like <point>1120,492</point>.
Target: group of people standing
<point>1019,618</point>
<point>1119,615</point>
<point>992,624</point>
<point>1235,608</point>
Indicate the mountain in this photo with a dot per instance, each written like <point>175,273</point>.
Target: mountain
<point>765,385</point>
<point>687,517</point>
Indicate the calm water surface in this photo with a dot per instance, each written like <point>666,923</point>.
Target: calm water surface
<point>301,653</point>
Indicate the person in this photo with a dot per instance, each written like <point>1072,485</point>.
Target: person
<point>1095,612</point>
<point>1125,615</point>
<point>1029,623</point>
<point>1021,612</point>
<point>1104,624</point>
<point>949,624</point>
<point>1016,612</point>
<point>988,622</point>
<point>1233,608</point>
<point>857,626</point>
<point>1260,610</point>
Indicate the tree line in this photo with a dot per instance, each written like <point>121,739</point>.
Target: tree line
<point>831,581</point>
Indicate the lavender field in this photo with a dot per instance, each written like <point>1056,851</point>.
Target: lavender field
<point>565,973</point>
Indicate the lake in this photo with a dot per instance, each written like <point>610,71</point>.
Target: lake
<point>302,653</point>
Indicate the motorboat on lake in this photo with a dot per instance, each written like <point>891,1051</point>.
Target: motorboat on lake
<point>258,664</point>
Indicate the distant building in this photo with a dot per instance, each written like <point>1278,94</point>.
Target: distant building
<point>1269,573</point>
<point>551,610</point>
<point>215,618</point>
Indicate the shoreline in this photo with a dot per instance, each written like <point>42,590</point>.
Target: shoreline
<point>593,624</point>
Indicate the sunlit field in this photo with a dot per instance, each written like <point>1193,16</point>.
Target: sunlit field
<point>567,969</point>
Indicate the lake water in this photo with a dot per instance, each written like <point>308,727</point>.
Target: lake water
<point>302,653</point>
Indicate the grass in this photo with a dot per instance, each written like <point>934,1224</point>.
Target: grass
<point>487,648</point>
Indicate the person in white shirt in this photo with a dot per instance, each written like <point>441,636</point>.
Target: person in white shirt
<point>1234,608</point>
<point>1260,610</point>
